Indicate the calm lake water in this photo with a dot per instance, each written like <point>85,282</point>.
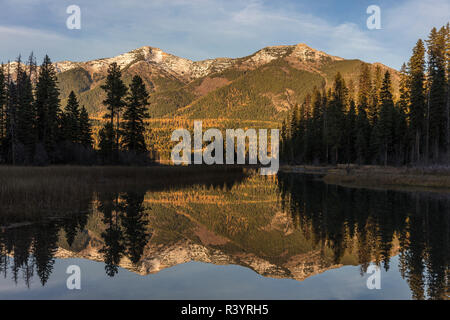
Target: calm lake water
<point>285,237</point>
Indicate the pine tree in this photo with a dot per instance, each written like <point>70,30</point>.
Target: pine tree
<point>403,134</point>
<point>416,83</point>
<point>71,120</point>
<point>404,94</point>
<point>363,129</point>
<point>296,129</point>
<point>365,87</point>
<point>47,106</point>
<point>11,119</point>
<point>134,116</point>
<point>385,125</point>
<point>374,102</point>
<point>107,143</point>
<point>25,115</point>
<point>362,136</point>
<point>115,92</point>
<point>336,117</point>
<point>316,126</point>
<point>436,112</point>
<point>85,136</point>
<point>326,97</point>
<point>3,97</point>
<point>447,59</point>
<point>350,133</point>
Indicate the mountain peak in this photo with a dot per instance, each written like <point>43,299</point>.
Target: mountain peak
<point>307,53</point>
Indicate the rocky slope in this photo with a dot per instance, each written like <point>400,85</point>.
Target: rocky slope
<point>278,77</point>
<point>158,257</point>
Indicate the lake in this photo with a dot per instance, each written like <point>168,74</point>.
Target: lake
<point>247,237</point>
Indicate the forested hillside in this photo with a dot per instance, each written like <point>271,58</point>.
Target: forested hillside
<point>330,110</point>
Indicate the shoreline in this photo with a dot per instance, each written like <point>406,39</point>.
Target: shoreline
<point>429,179</point>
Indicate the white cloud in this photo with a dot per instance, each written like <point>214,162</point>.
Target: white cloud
<point>200,29</point>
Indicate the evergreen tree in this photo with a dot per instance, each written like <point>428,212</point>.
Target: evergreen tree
<point>365,87</point>
<point>85,135</point>
<point>115,92</point>
<point>436,112</point>
<point>3,97</point>
<point>417,96</point>
<point>385,125</point>
<point>316,126</point>
<point>416,83</point>
<point>403,134</point>
<point>25,115</point>
<point>404,94</point>
<point>350,133</point>
<point>336,118</point>
<point>362,136</point>
<point>374,102</point>
<point>11,120</point>
<point>107,142</point>
<point>447,59</point>
<point>71,120</point>
<point>47,107</point>
<point>134,116</point>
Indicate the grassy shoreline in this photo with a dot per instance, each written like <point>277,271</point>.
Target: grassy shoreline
<point>379,177</point>
<point>60,190</point>
<point>26,192</point>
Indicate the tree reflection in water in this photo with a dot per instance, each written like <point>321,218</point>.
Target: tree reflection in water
<point>373,225</point>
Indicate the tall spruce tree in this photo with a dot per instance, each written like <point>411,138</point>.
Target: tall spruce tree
<point>11,119</point>
<point>316,126</point>
<point>447,61</point>
<point>336,116</point>
<point>350,133</point>
<point>403,133</point>
<point>85,135</point>
<point>134,116</point>
<point>25,115</point>
<point>436,99</point>
<point>363,129</point>
<point>416,66</point>
<point>3,97</point>
<point>47,108</point>
<point>374,102</point>
<point>115,93</point>
<point>71,120</point>
<point>386,120</point>
<point>362,136</point>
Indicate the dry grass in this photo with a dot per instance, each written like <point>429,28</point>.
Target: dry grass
<point>26,192</point>
<point>431,177</point>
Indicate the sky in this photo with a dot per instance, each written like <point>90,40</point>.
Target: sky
<point>204,29</point>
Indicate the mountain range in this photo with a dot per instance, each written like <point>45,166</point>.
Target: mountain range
<point>262,86</point>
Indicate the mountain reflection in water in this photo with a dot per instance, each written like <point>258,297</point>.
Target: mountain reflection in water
<point>288,226</point>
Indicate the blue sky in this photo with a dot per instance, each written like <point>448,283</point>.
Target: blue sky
<point>202,29</point>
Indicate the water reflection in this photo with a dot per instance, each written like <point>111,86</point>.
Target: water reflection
<point>376,224</point>
<point>286,227</point>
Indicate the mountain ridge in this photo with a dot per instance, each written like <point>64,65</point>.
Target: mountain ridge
<point>177,83</point>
